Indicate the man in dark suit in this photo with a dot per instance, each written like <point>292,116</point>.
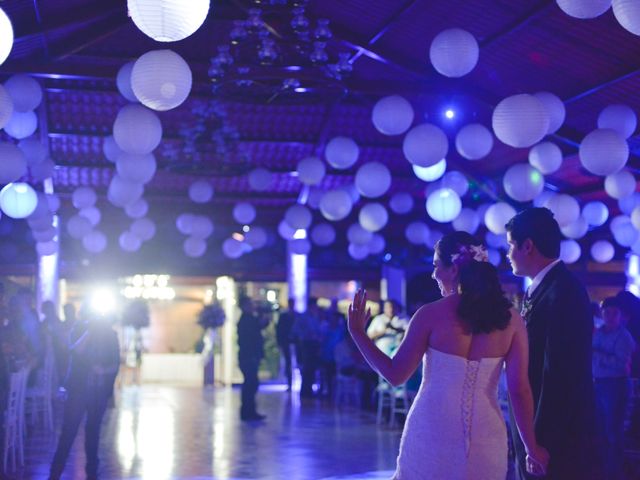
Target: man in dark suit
<point>557,313</point>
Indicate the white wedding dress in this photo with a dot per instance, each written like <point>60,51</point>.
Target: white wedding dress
<point>455,429</point>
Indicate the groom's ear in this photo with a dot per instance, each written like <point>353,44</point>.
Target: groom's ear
<point>527,246</point>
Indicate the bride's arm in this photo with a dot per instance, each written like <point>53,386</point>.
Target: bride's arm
<point>398,369</point>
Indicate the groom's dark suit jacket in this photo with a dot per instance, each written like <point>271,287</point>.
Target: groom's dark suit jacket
<point>560,325</point>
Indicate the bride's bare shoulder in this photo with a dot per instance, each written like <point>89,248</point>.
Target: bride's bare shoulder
<point>435,309</point>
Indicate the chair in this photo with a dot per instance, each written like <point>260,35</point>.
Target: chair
<point>348,388</point>
<point>383,390</point>
<point>39,398</point>
<point>401,399</point>
<point>13,444</point>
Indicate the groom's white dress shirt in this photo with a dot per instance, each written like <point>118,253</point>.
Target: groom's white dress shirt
<point>537,280</point>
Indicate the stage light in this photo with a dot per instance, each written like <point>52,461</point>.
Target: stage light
<point>449,113</point>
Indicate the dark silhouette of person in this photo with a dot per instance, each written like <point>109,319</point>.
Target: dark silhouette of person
<point>286,320</point>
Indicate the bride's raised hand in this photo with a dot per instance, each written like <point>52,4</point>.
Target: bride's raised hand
<point>359,314</point>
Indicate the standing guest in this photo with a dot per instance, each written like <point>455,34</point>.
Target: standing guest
<point>387,328</point>
<point>613,347</point>
<point>95,359</point>
<point>286,320</point>
<point>308,336</point>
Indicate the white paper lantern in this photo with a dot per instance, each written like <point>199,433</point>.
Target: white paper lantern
<point>635,218</point>
<point>143,228</point>
<point>474,141</point>
<point>429,174</point>
<point>377,244</point>
<point>95,241</point>
<point>627,12</point>
<point>21,125</point>
<point>122,192</point>
<point>620,118</point>
<point>323,234</point>
<point>584,8</point>
<point>341,152</point>
<point>520,121</point>
<point>335,205</point>
<point>401,203</point>
<point>627,204</point>
<point>602,251</point>
<point>136,168</point>
<point>565,208</point>
<point>624,233</point>
<point>300,246</point>
<point>620,184</point>
<point>184,223</point>
<point>201,227</point>
<point>200,191</point>
<point>358,235</point>
<point>497,216</point>
<point>467,220</point>
<point>129,242</point>
<point>392,115</point>
<point>373,179</point>
<point>555,108</point>
<point>456,181</point>
<point>311,170</point>
<point>137,209</point>
<point>195,247</point>
<point>244,213</point>
<point>260,179</point>
<point>443,205</point>
<point>34,150</point>
<point>425,145</point>
<point>373,217</point>
<point>358,252</point>
<point>123,82</point>
<point>417,233</point>
<point>256,237</point>
<point>454,52</point>
<point>25,91</point>
<point>41,171</point>
<point>92,214</point>
<point>286,231</point>
<point>168,20</point>
<point>45,249</point>
<point>576,229</point>
<point>18,200</point>
<point>78,226</point>
<point>6,105</point>
<point>595,213</point>
<point>13,163</point>
<point>570,251</point>
<point>546,157</point>
<point>137,129</point>
<point>111,149</point>
<point>6,36</point>
<point>232,248</point>
<point>522,182</point>
<point>352,191</point>
<point>298,216</point>
<point>603,152</point>
<point>83,197</point>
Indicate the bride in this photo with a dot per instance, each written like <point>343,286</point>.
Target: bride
<point>455,429</point>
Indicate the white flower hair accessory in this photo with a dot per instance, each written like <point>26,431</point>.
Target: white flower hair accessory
<point>467,253</point>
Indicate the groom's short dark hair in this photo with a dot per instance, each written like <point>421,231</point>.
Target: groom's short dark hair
<point>539,225</point>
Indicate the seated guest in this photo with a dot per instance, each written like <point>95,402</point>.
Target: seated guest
<point>387,328</point>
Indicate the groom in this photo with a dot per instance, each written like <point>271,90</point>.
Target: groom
<point>556,310</point>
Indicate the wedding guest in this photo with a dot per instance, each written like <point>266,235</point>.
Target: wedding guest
<point>387,328</point>
<point>286,320</point>
<point>308,336</point>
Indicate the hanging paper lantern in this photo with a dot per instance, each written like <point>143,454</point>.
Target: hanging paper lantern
<point>474,141</point>
<point>83,197</point>
<point>311,170</point>
<point>168,20</point>
<point>111,149</point>
<point>417,233</point>
<point>200,191</point>
<point>232,248</point>
<point>595,213</point>
<point>13,163</point>
<point>467,221</point>
<point>286,231</point>
<point>323,234</point>
<point>425,145</point>
<point>603,152</point>
<point>635,218</point>
<point>184,223</point>
<point>627,12</point>
<point>25,91</point>
<point>298,216</point>
<point>195,247</point>
<point>576,229</point>
<point>202,226</point>
<point>624,233</point>
<point>244,213</point>
<point>137,129</point>
<point>352,191</point>
<point>256,237</point>
<point>123,82</point>
<point>429,174</point>
<point>627,204</point>
<point>18,200</point>
<point>122,192</point>
<point>335,205</point>
<point>341,152</point>
<point>6,104</point>
<point>454,52</point>
<point>161,80</point>
<point>137,209</point>
<point>570,251</point>
<point>21,125</point>
<point>129,242</point>
<point>443,205</point>
<point>260,179</point>
<point>358,252</point>
<point>522,182</point>
<point>94,242</point>
<point>456,181</point>
<point>78,226</point>
<point>376,245</point>
<point>136,168</point>
<point>520,121</point>
<point>6,36</point>
<point>143,228</point>
<point>373,179</point>
<point>92,214</point>
<point>546,157</point>
<point>497,216</point>
<point>555,108</point>
<point>373,217</point>
<point>34,150</point>
<point>602,251</point>
<point>620,184</point>
<point>620,118</point>
<point>401,203</point>
<point>584,8</point>
<point>392,115</point>
<point>565,208</point>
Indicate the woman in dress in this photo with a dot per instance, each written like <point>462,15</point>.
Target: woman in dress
<point>455,429</point>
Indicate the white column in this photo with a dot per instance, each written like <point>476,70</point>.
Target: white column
<point>297,276</point>
<point>226,295</point>
<point>633,274</point>
<point>48,266</point>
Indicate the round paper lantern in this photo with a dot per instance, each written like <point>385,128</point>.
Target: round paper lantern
<point>41,171</point>
<point>6,104</point>
<point>341,152</point>
<point>417,233</point>
<point>456,181</point>
<point>200,191</point>
<point>555,108</point>
<point>184,223</point>
<point>603,152</point>
<point>522,182</point>
<point>111,149</point>
<point>286,231</point>
<point>635,217</point>
<point>45,249</point>
<point>300,246</point>
<point>13,163</point>
<point>21,125</point>
<point>34,150</point>
<point>260,179</point>
<point>137,209</point>
<point>425,145</point>
<point>161,80</point>
<point>83,197</point>
<point>18,200</point>
<point>624,233</point>
<point>584,8</point>
<point>429,174</point>
<point>570,251</point>
<point>627,204</point>
<point>520,121</point>
<point>92,214</point>
<point>546,157</point>
<point>123,82</point>
<point>467,220</point>
<point>497,216</point>
<point>443,205</point>
<point>358,252</point>
<point>201,227</point>
<point>352,191</point>
<point>565,208</point>
<point>144,228</point>
<point>323,234</point>
<point>25,91</point>
<point>635,248</point>
<point>576,229</point>
<point>196,247</point>
<point>137,129</point>
<point>373,179</point>
<point>620,184</point>
<point>232,248</point>
<point>94,242</point>
<point>377,244</point>
<point>401,203</point>
<point>335,205</point>
<point>454,52</point>
<point>602,251</point>
<point>595,213</point>
<point>373,217</point>
<point>168,20</point>
<point>122,192</point>
<point>627,12</point>
<point>620,118</point>
<point>358,235</point>
<point>392,115</point>
<point>311,170</point>
<point>256,237</point>
<point>244,213</point>
<point>136,168</point>
<point>129,242</point>
<point>474,141</point>
<point>298,216</point>
<point>6,36</point>
<point>78,226</point>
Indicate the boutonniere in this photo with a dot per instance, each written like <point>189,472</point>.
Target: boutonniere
<point>527,305</point>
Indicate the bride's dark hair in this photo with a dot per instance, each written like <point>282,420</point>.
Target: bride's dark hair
<point>483,305</point>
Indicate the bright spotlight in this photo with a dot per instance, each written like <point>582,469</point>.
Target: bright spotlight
<point>449,113</point>
<point>103,301</point>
